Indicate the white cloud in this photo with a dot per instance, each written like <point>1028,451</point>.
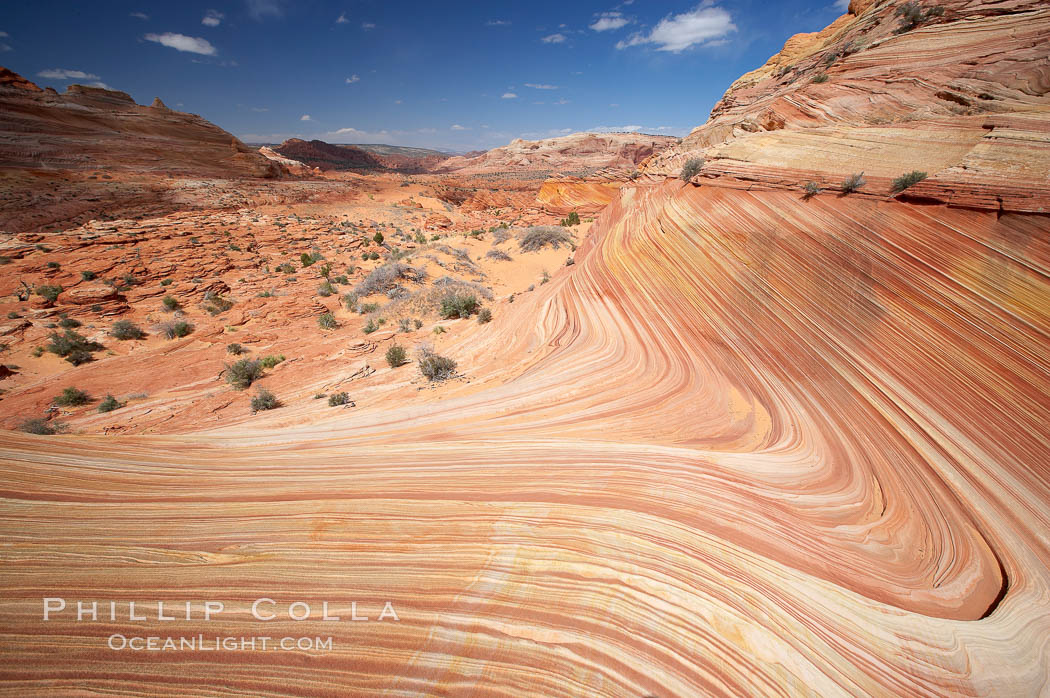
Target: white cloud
<point>368,25</point>
<point>841,5</point>
<point>676,33</point>
<point>540,86</point>
<point>63,74</point>
<point>140,15</point>
<point>260,109</point>
<point>509,95</point>
<point>212,18</point>
<point>260,9</point>
<point>554,39</point>
<point>635,128</point>
<point>561,101</point>
<point>103,85</point>
<point>497,23</point>
<point>457,127</point>
<point>341,19</point>
<point>610,20</point>
<point>352,79</point>
<point>305,117</point>
<point>3,35</point>
<point>181,42</point>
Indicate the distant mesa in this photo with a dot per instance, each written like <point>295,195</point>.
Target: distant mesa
<point>367,157</point>
<point>89,128</point>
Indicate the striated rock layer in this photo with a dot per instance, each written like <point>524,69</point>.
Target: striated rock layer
<point>744,446</point>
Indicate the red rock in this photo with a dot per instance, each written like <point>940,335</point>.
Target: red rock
<point>88,295</point>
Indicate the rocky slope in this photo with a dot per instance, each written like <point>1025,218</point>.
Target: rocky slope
<point>89,128</point>
<point>962,94</point>
<point>576,153</point>
<point>330,156</point>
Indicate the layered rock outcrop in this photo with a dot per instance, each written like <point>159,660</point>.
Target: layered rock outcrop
<point>91,128</point>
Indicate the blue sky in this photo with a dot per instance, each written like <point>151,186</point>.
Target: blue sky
<point>450,75</point>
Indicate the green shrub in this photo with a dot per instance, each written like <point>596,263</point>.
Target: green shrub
<point>366,308</point>
<point>13,315</point>
<point>165,282</point>
<point>175,330</point>
<point>72,397</point>
<point>853,183</point>
<point>125,329</point>
<point>434,366</point>
<point>690,169</point>
<point>264,400</point>
<point>484,316</point>
<point>326,289</point>
<point>305,259</point>
<point>271,360</point>
<point>327,321</point>
<point>404,325</point>
<point>88,276</point>
<point>235,349</point>
<point>811,189</point>
<point>68,323</point>
<point>75,347</point>
<point>396,356</point>
<point>49,293</point>
<point>370,327</point>
<point>216,304</point>
<point>241,374</point>
<point>418,323</point>
<point>821,78</point>
<point>457,305</point>
<point>378,238</point>
<point>571,220</point>
<point>498,255</point>
<point>170,303</point>
<point>350,301</point>
<point>109,403</point>
<point>907,180</point>
<point>53,265</point>
<point>338,399</point>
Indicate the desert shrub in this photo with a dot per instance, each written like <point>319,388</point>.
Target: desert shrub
<point>690,169</point>
<point>434,366</point>
<point>327,321</point>
<point>378,238</point>
<point>326,289</point>
<point>53,265</point>
<point>370,327</point>
<point>235,349</point>
<point>88,276</point>
<point>68,323</point>
<point>912,15</point>
<point>130,280</point>
<point>241,374</point>
<point>271,360</point>
<point>853,183</point>
<point>75,347</point>
<point>418,323</point>
<point>48,293</point>
<point>811,189</point>
<point>41,427</point>
<point>216,304</point>
<point>126,329</point>
<point>264,400</point>
<point>306,260</point>
<point>498,255</point>
<point>404,325</point>
<point>342,280</point>
<point>337,399</point>
<point>286,268</point>
<point>72,397</point>
<point>458,305</point>
<point>386,277</point>
<point>396,356</point>
<point>484,316</point>
<point>366,308</point>
<point>907,180</point>
<point>177,329</point>
<point>569,262</point>
<point>821,78</point>
<point>540,236</point>
<point>571,220</point>
<point>165,282</point>
<point>109,403</point>
<point>5,260</point>
<point>350,301</point>
<point>171,304</point>
<point>546,277</point>
<point>13,315</point>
